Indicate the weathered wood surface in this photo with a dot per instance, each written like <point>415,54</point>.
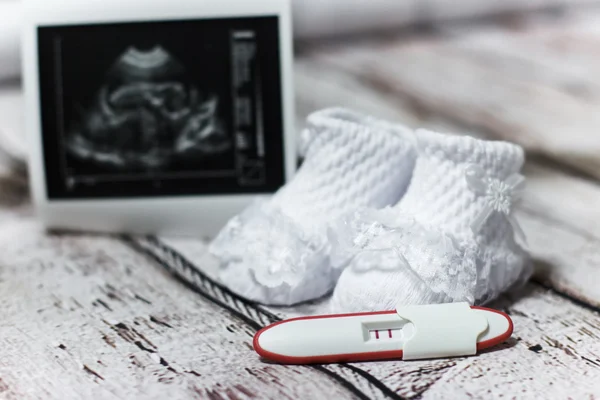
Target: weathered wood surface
<point>561,216</point>
<point>529,81</point>
<point>99,317</point>
<point>86,316</point>
<point>12,141</point>
<point>548,356</point>
<point>318,18</point>
<point>125,328</point>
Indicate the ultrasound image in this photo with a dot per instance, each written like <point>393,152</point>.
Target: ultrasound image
<point>147,114</point>
<point>162,108</point>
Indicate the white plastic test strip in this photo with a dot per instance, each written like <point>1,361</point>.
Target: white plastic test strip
<point>409,333</point>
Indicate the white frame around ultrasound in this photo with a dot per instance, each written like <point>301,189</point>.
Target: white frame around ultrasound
<point>200,215</point>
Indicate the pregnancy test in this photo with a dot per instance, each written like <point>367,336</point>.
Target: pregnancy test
<point>408,333</point>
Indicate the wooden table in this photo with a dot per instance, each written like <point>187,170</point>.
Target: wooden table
<point>87,316</point>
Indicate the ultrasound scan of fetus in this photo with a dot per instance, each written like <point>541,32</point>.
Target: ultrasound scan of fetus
<point>149,109</point>
<point>147,116</point>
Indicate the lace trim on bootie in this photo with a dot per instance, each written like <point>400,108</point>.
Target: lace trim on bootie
<point>446,265</point>
<point>275,248</point>
<point>500,197</point>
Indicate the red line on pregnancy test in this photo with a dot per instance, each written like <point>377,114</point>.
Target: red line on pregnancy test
<point>390,333</point>
<point>376,334</point>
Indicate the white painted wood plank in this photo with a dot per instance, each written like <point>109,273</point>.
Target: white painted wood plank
<point>561,218</point>
<point>319,86</point>
<point>67,307</point>
<point>555,354</point>
<point>497,85</point>
<point>13,144</point>
<point>317,18</point>
<point>87,317</point>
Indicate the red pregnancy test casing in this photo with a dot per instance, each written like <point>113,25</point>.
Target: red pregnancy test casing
<point>320,339</point>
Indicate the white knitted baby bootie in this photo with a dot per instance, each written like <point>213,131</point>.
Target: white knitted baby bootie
<point>276,252</point>
<point>451,238</point>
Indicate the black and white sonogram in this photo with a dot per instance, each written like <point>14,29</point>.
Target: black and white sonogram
<point>146,115</point>
<point>162,108</point>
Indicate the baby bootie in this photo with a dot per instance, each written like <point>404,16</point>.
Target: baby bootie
<point>276,251</point>
<point>451,237</point>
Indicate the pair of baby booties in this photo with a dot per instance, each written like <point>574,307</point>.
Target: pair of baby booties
<point>382,215</point>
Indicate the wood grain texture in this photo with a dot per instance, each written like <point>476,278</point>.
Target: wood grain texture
<point>97,317</point>
<point>316,18</point>
<point>533,84</point>
<point>12,134</point>
<point>88,317</point>
<point>561,218</point>
<point>554,353</point>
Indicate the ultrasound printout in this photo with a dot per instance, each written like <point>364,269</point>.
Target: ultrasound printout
<point>167,108</point>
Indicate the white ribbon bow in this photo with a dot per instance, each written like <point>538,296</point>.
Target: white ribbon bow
<point>500,197</point>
